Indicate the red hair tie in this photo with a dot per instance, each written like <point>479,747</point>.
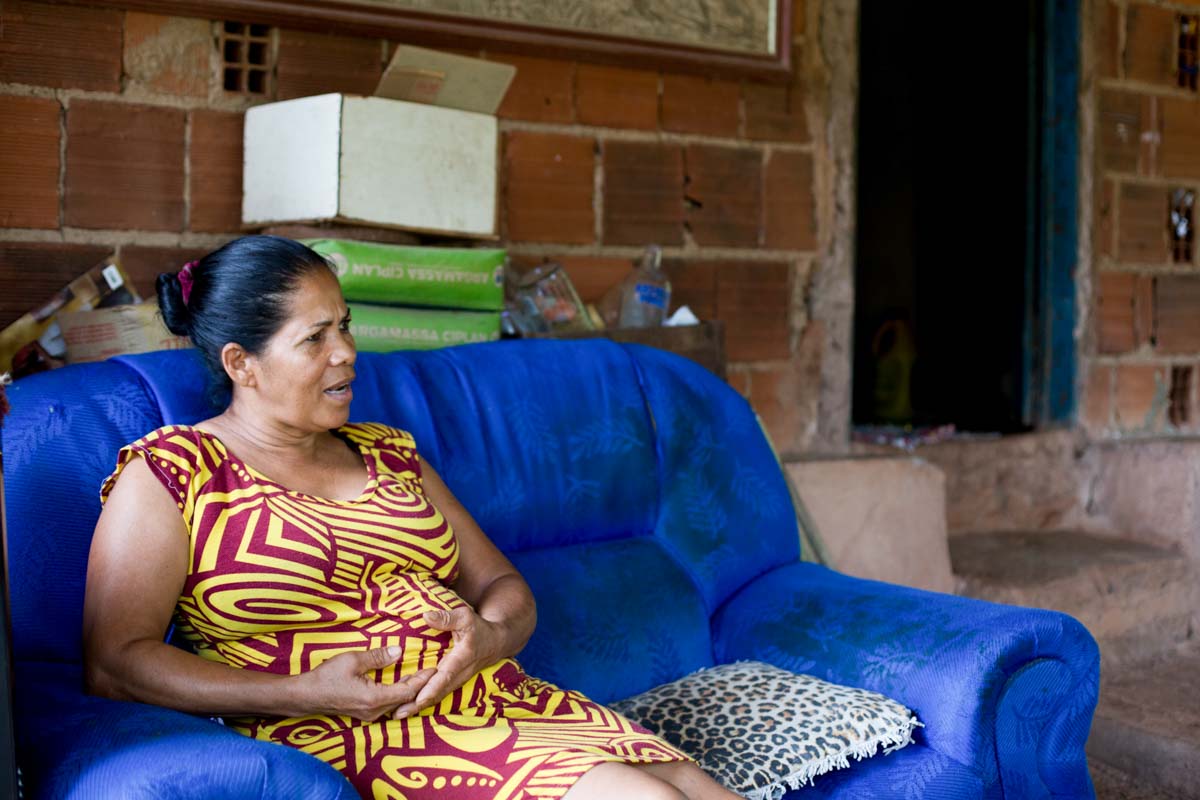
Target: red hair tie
<point>186,280</point>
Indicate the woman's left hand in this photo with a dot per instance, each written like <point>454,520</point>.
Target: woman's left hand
<point>477,644</point>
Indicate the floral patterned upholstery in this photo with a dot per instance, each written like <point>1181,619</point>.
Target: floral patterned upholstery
<point>636,493</point>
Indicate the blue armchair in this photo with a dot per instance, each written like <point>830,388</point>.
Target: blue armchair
<point>638,496</point>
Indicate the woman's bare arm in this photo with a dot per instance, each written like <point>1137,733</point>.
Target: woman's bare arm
<point>136,571</point>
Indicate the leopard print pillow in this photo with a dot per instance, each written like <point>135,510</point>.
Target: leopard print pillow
<point>761,730</point>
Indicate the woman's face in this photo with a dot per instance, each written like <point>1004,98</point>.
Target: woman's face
<point>304,373</point>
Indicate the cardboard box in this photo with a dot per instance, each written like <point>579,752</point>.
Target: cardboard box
<point>120,330</point>
<point>445,79</point>
<point>380,160</point>
<point>381,329</point>
<point>34,342</point>
<point>440,277</point>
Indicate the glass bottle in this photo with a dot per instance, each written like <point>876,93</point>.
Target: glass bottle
<point>645,292</point>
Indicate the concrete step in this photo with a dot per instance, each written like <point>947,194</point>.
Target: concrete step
<point>1136,599</point>
<point>1147,729</point>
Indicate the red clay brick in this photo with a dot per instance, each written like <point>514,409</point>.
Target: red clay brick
<point>215,175</point>
<point>1142,234</point>
<point>754,302</point>
<point>1181,404</point>
<point>1105,201</point>
<point>591,276</point>
<point>1149,157</point>
<point>1120,130</point>
<point>789,202</point>
<point>1124,311</point>
<point>739,380</point>
<point>693,284</point>
<point>595,275</point>
<point>786,396</point>
<point>1143,310</point>
<point>62,46</point>
<point>614,97</point>
<point>169,55</point>
<point>1177,313</point>
<point>1141,396</point>
<point>124,166</point>
<point>1097,410</point>
<point>1114,311</point>
<point>775,112</point>
<point>1108,26</point>
<point>692,104</point>
<point>1150,35</point>
<point>469,52</point>
<point>31,272</point>
<point>142,264</point>
<point>548,185</point>
<point>29,141</point>
<point>543,89</point>
<point>643,193</point>
<point>315,63</point>
<point>1180,137</point>
<point>724,189</point>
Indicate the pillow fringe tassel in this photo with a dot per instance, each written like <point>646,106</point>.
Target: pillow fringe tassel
<point>888,741</point>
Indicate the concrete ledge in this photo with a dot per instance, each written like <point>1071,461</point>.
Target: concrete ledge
<point>1136,599</point>
<point>1147,490</point>
<point>880,518</point>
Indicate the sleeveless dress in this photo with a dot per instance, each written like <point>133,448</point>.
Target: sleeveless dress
<point>279,581</point>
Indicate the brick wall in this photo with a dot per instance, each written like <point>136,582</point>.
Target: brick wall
<point>1142,360</point>
<point>118,135</point>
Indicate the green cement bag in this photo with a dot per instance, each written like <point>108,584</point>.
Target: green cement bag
<point>440,277</point>
<point>381,329</point>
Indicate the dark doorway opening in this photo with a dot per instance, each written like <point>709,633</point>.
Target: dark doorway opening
<point>965,250</point>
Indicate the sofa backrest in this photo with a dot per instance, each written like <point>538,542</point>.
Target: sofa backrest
<point>633,488</point>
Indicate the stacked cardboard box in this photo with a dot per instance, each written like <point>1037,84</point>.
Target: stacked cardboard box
<point>91,318</point>
<point>419,155</point>
<point>417,298</point>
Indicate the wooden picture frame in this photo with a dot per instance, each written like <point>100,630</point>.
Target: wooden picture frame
<point>621,42</point>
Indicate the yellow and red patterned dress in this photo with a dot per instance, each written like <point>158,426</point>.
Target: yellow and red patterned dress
<point>279,581</point>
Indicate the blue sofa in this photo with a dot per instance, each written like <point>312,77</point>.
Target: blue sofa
<point>638,496</point>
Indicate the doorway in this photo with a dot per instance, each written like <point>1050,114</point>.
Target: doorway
<point>966,231</point>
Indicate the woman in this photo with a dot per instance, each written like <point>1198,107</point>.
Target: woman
<point>337,597</point>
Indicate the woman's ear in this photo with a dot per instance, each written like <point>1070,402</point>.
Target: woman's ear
<point>239,365</point>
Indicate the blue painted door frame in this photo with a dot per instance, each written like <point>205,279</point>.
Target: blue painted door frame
<point>1052,231</point>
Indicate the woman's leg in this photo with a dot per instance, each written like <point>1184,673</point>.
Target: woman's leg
<point>693,782</point>
<point>610,779</point>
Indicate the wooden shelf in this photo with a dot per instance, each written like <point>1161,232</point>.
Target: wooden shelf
<point>703,343</point>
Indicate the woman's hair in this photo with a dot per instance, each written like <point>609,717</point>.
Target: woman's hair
<point>238,293</point>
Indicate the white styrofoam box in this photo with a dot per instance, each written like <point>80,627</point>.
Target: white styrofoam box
<point>370,160</point>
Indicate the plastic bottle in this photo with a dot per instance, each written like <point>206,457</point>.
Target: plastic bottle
<point>645,293</point>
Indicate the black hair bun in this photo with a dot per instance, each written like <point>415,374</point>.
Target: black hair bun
<point>170,304</point>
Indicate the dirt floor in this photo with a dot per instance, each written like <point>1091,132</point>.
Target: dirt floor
<point>1112,784</point>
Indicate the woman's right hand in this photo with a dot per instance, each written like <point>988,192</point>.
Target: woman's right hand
<point>343,685</point>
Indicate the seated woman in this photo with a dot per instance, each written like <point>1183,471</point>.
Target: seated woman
<point>337,597</point>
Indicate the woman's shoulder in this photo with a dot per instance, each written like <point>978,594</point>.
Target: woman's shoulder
<point>175,455</point>
<point>378,435</point>
<point>181,439</point>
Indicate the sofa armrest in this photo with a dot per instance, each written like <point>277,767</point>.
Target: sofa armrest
<point>1008,692</point>
<point>72,746</point>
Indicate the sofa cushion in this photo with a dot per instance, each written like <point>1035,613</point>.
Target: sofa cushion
<point>760,730</point>
<point>495,423</point>
<point>614,618</point>
<point>535,465</point>
<point>74,746</point>
<point>59,442</point>
<point>726,512</point>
